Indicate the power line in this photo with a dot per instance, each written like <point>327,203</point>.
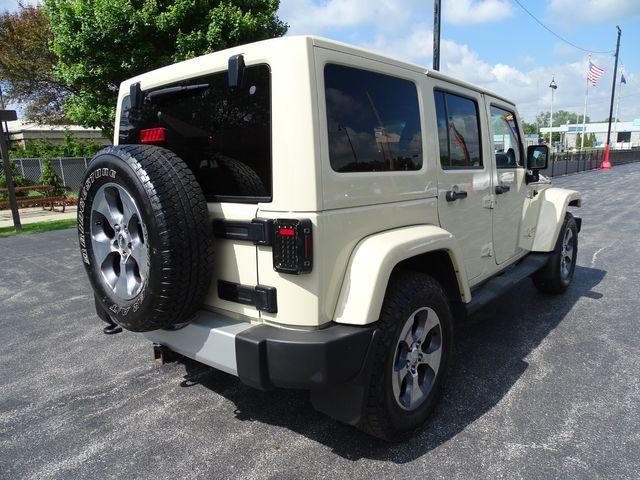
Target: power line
<point>555,34</point>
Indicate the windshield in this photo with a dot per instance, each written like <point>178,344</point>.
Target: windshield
<point>224,135</point>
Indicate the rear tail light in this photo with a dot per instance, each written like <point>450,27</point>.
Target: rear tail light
<point>153,135</point>
<point>292,246</point>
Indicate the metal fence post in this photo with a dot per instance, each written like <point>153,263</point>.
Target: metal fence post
<point>64,182</point>
<point>21,167</point>
<point>553,162</point>
<point>85,163</point>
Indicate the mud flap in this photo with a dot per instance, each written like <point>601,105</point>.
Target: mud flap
<point>347,402</point>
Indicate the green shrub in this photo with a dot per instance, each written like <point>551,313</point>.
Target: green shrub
<point>71,147</point>
<point>50,177</point>
<point>18,180</point>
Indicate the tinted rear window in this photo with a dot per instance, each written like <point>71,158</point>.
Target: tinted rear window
<point>223,135</point>
<point>373,121</point>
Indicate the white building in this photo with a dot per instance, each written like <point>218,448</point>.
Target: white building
<point>21,132</point>
<point>626,135</point>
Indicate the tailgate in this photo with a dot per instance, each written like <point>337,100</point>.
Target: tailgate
<point>235,261</point>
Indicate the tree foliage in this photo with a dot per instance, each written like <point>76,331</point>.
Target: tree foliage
<point>529,128</point>
<point>49,176</point>
<point>100,43</point>
<point>18,179</point>
<point>70,147</point>
<point>26,65</point>
<point>561,117</point>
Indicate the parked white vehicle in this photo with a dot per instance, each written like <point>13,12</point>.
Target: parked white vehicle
<point>305,214</point>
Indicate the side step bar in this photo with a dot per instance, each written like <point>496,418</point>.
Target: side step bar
<point>500,284</point>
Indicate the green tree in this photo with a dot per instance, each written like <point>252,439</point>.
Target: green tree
<point>561,117</point>
<point>529,128</point>
<point>100,43</point>
<point>26,65</point>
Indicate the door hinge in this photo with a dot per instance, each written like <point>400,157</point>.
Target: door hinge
<point>489,202</point>
<point>487,250</point>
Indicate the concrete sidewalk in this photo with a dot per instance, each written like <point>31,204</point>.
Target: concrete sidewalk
<point>37,214</point>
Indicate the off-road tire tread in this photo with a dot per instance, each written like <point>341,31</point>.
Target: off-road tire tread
<point>244,177</point>
<point>403,286</point>
<point>547,279</point>
<point>181,215</point>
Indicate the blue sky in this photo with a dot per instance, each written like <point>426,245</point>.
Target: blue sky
<point>493,43</point>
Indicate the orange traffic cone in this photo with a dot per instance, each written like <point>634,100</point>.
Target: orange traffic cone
<point>606,164</point>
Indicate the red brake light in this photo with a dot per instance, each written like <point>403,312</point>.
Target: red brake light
<point>293,246</point>
<point>153,135</point>
<point>287,232</point>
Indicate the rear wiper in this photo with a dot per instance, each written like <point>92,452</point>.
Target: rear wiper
<point>174,90</point>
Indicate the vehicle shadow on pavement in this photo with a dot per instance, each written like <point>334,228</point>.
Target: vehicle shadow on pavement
<point>491,351</point>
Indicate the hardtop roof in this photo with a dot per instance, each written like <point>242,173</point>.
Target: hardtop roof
<point>284,42</point>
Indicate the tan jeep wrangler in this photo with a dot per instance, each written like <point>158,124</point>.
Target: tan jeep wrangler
<point>305,214</point>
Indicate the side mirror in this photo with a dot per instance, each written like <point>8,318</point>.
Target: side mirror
<point>236,71</point>
<point>537,157</point>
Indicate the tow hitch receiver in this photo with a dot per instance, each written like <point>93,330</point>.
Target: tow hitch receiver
<point>163,354</point>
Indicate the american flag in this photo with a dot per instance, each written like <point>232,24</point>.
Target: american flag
<point>595,72</point>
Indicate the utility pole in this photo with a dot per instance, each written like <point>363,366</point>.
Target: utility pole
<point>437,4</point>
<point>5,116</point>
<point>606,163</point>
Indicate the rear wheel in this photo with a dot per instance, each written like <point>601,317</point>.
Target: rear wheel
<point>412,357</point>
<point>557,275</point>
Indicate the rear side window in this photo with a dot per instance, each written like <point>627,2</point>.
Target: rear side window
<point>224,135</point>
<point>373,121</point>
<point>458,131</point>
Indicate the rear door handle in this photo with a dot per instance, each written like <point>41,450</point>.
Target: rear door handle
<point>500,189</point>
<point>452,196</point>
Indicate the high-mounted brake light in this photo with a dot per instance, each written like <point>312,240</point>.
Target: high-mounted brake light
<point>153,135</point>
<point>292,246</point>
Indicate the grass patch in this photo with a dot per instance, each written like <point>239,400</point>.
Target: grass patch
<point>39,227</point>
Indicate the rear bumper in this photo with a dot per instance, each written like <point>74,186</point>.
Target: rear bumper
<point>265,356</point>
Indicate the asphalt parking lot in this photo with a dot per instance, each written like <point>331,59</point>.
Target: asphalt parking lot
<point>543,386</point>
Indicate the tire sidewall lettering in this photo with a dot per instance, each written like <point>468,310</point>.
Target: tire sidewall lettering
<point>97,177</point>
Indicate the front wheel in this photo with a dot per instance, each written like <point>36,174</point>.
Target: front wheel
<point>557,275</point>
<point>411,358</point>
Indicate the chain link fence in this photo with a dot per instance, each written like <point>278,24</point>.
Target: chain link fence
<point>70,169</point>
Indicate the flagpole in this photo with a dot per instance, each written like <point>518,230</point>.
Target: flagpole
<point>584,116</point>
<point>584,113</point>
<point>615,125</point>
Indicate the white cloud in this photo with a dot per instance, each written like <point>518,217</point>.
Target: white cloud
<point>528,88</point>
<point>479,11</point>
<point>402,29</point>
<point>308,16</point>
<point>592,11</point>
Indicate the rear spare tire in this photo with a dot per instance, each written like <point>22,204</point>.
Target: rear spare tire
<point>145,236</point>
